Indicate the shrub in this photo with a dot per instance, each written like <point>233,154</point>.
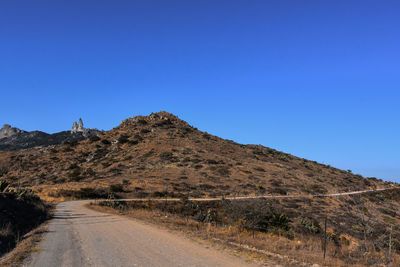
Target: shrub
<point>21,211</point>
<point>122,139</point>
<point>166,155</point>
<point>259,169</point>
<point>164,123</point>
<point>117,188</point>
<point>89,172</point>
<point>94,138</point>
<point>105,142</point>
<point>138,137</point>
<point>3,186</point>
<point>211,161</point>
<point>142,122</point>
<point>3,169</point>
<point>82,193</point>
<point>73,166</point>
<point>206,136</point>
<point>71,143</point>
<point>67,149</point>
<point>144,131</point>
<point>75,174</point>
<point>133,142</point>
<point>281,221</point>
<point>315,189</point>
<point>160,194</point>
<point>223,171</point>
<point>311,225</point>
<point>278,190</point>
<point>260,187</point>
<point>251,215</point>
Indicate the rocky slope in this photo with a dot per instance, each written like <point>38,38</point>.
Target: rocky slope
<point>160,150</point>
<point>161,155</point>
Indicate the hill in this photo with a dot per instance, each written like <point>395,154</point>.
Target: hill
<point>158,151</point>
<point>161,155</point>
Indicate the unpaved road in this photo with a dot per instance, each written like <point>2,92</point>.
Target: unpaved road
<point>78,236</point>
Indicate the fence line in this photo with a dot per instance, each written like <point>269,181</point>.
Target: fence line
<point>262,196</point>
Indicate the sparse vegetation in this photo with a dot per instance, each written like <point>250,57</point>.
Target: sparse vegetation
<point>105,142</point>
<point>21,211</point>
<point>82,193</point>
<point>94,138</point>
<point>272,225</point>
<point>160,155</point>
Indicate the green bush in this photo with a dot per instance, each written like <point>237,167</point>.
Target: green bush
<point>311,225</point>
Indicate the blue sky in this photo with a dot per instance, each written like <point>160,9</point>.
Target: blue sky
<point>317,79</point>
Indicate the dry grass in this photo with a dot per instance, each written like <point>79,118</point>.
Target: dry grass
<point>297,251</point>
<point>26,246</point>
<point>162,156</point>
<point>21,212</point>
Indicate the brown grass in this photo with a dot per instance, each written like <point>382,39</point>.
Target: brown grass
<point>21,212</point>
<point>26,246</point>
<point>167,155</point>
<point>298,250</point>
<point>162,156</point>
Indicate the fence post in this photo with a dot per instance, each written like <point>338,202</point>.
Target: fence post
<point>325,237</point>
<point>390,242</point>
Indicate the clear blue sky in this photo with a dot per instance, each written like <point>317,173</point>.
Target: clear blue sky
<point>317,79</point>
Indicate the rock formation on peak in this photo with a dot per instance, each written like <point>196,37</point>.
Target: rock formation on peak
<point>78,127</point>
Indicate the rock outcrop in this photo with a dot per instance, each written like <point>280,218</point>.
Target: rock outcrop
<point>8,131</point>
<point>78,127</point>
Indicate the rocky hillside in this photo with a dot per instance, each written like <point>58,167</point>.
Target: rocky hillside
<point>162,156</point>
<point>160,152</point>
<point>12,138</point>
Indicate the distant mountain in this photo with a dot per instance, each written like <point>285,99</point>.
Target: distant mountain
<point>12,138</point>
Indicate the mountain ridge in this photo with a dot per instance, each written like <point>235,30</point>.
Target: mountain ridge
<point>12,138</point>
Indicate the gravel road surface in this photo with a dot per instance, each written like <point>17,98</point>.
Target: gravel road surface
<point>79,236</point>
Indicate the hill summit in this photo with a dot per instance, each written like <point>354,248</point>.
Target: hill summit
<point>160,150</point>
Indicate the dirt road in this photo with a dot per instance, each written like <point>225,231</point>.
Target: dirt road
<point>79,236</point>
